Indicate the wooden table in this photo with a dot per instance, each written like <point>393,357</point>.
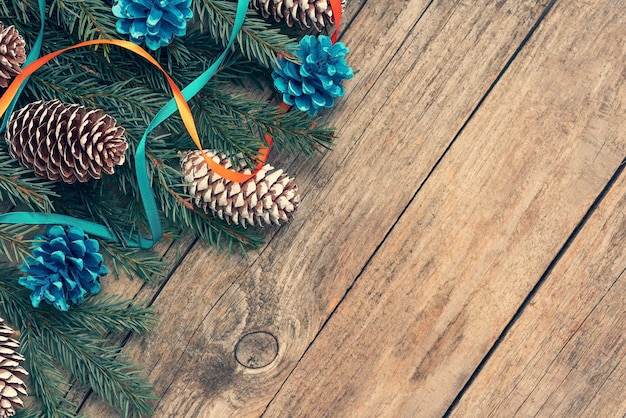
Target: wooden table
<point>460,251</point>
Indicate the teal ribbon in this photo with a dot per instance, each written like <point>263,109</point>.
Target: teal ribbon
<point>141,168</point>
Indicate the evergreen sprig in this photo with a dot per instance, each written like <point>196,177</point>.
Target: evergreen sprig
<point>77,342</point>
<point>90,19</point>
<point>15,245</point>
<point>258,40</point>
<point>103,367</point>
<point>20,187</point>
<point>143,264</point>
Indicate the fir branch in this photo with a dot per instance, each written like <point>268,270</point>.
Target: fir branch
<point>47,338</point>
<point>28,413</point>
<point>101,204</point>
<point>108,314</point>
<point>18,8</point>
<point>258,40</point>
<point>47,381</point>
<point>291,131</point>
<point>145,264</point>
<point>109,373</point>
<point>13,244</point>
<point>226,132</point>
<point>19,186</point>
<point>89,19</point>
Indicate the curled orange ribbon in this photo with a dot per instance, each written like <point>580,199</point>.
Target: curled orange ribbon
<point>181,103</point>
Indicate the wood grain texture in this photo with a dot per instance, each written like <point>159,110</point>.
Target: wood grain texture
<point>566,354</point>
<point>421,75</point>
<point>481,231</point>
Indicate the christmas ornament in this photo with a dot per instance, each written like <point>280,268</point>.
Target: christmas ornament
<point>11,373</point>
<point>68,142</point>
<point>270,197</point>
<point>154,21</point>
<point>314,84</point>
<point>12,54</point>
<point>65,267</point>
<point>308,13</point>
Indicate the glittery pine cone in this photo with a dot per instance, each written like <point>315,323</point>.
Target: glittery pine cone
<point>11,373</point>
<point>154,21</point>
<point>12,54</point>
<point>68,142</point>
<point>64,268</point>
<point>307,13</point>
<point>270,197</point>
<point>314,84</point>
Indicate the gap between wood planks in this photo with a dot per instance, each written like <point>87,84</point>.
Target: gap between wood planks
<point>593,207</point>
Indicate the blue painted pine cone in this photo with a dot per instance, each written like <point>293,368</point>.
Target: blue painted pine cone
<point>154,21</point>
<point>64,268</point>
<point>314,84</point>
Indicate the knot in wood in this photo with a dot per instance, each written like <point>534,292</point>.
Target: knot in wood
<point>256,349</point>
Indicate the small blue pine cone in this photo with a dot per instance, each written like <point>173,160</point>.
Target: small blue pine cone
<point>314,84</point>
<point>153,21</point>
<point>66,266</point>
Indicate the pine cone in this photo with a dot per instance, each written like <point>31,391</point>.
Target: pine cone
<point>153,21</point>
<point>307,13</point>
<point>270,197</point>
<point>12,54</point>
<point>66,142</point>
<point>11,373</point>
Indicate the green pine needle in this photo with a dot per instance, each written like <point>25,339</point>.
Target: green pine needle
<point>143,264</point>
<point>258,40</point>
<point>14,244</point>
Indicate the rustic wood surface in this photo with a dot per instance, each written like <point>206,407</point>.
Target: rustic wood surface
<point>473,142</point>
<point>566,353</point>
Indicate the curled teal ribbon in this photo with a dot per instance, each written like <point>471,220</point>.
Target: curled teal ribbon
<point>141,169</point>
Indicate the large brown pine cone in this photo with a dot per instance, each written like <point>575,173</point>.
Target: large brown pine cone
<point>66,142</point>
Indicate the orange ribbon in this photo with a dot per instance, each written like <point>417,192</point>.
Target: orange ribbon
<point>335,6</point>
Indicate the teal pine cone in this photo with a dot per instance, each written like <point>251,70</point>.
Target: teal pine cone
<point>314,84</point>
<point>64,268</point>
<point>154,21</point>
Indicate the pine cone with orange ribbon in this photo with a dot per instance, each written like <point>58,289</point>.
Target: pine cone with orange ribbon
<point>269,197</point>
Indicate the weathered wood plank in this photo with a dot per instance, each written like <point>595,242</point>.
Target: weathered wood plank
<point>566,354</point>
<point>481,231</point>
<point>449,56</point>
